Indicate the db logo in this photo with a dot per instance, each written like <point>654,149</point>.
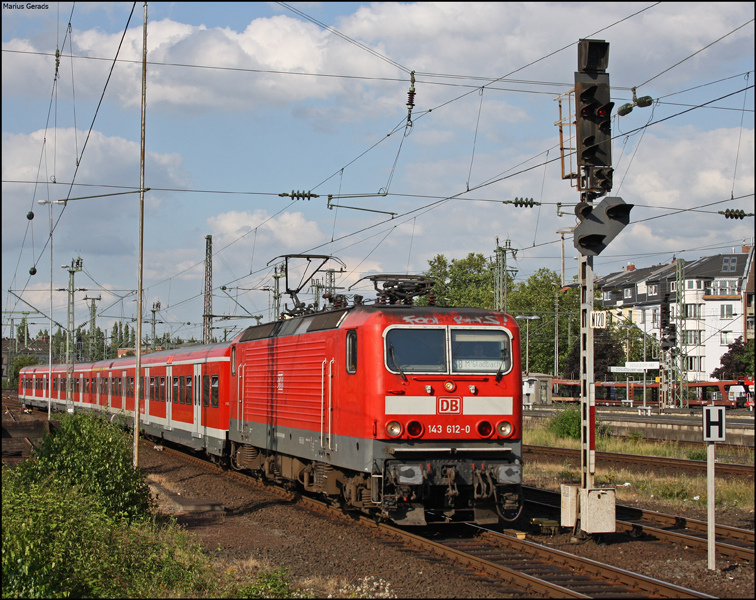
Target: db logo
<point>449,406</point>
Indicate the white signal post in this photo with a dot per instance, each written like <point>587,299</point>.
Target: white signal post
<point>713,431</point>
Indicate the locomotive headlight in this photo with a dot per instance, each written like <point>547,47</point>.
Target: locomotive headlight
<point>504,428</point>
<point>394,429</point>
<point>450,386</point>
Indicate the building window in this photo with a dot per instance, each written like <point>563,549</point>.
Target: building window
<point>693,311</point>
<point>653,290</point>
<point>628,293</point>
<point>725,311</point>
<point>725,287</point>
<point>726,338</point>
<point>607,296</point>
<point>672,286</point>
<point>695,363</point>
<point>692,337</point>
<point>729,263</point>
<point>655,317</point>
<point>691,284</point>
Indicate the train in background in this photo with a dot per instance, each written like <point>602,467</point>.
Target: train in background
<point>410,413</point>
<point>728,393</point>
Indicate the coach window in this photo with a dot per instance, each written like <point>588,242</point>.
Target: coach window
<point>188,397</point>
<point>214,391</point>
<point>351,351</point>
<point>176,395</point>
<point>206,390</point>
<point>162,389</point>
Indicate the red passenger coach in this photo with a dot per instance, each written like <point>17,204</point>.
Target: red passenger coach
<point>411,413</point>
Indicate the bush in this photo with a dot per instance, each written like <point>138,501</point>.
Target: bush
<point>566,423</point>
<point>270,584</point>
<point>58,542</point>
<point>697,454</point>
<point>95,456</point>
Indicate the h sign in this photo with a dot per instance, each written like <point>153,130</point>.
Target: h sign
<point>713,423</point>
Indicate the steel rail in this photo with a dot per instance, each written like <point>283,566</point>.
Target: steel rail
<point>633,521</point>
<point>638,460</point>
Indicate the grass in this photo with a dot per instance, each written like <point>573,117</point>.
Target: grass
<point>677,490</point>
<point>542,436</point>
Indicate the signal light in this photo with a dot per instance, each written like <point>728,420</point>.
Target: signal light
<point>664,314</point>
<point>669,338</point>
<point>593,119</point>
<point>600,224</point>
<point>732,213</point>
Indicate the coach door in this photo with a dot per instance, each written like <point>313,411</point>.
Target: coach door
<point>327,373</point>
<point>197,420</point>
<point>165,385</point>
<point>240,397</point>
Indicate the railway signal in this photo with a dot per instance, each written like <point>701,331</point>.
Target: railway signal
<point>669,337</point>
<point>600,224</point>
<point>593,119</point>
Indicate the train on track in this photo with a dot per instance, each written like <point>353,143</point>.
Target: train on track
<point>405,412</point>
<point>730,394</point>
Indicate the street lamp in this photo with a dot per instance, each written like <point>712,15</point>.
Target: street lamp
<point>527,319</point>
<point>49,337</point>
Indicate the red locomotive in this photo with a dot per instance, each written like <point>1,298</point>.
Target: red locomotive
<point>409,412</point>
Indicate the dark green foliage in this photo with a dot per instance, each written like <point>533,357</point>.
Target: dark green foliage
<point>696,454</point>
<point>96,457</point>
<point>20,363</point>
<point>269,584</point>
<point>467,281</point>
<point>58,542</point>
<point>737,362</point>
<point>566,423</point>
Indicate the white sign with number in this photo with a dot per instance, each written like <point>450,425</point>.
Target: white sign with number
<point>598,319</point>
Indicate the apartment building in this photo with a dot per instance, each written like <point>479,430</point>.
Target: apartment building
<point>717,304</point>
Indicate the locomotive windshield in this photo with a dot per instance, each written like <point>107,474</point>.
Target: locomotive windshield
<point>424,350</point>
<point>476,351</point>
<point>416,350</point>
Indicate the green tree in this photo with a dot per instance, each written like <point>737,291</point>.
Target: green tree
<point>608,351</point>
<point>461,282</point>
<point>20,363</point>
<point>737,362</point>
<point>22,331</point>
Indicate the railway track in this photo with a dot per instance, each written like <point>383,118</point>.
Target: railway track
<point>731,542</point>
<point>637,461</point>
<point>513,566</point>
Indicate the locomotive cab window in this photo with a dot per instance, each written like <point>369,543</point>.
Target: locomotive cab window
<point>351,351</point>
<point>480,351</point>
<point>416,350</point>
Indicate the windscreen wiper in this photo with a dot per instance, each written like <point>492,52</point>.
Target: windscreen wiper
<point>396,363</point>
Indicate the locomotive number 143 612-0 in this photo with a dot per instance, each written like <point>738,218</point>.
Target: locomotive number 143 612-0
<point>449,429</point>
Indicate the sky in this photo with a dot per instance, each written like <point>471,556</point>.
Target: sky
<point>247,101</point>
